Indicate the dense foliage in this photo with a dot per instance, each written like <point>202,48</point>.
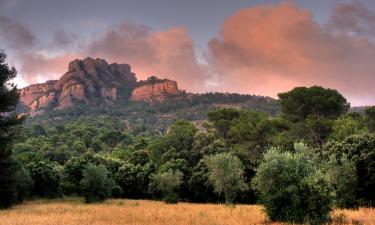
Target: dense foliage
<point>292,186</point>
<point>205,148</point>
<point>11,174</point>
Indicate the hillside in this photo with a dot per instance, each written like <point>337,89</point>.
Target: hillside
<point>92,87</point>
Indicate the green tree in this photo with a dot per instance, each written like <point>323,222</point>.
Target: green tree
<point>292,187</point>
<point>360,150</point>
<point>167,183</point>
<point>96,184</point>
<point>226,175</point>
<point>222,120</point>
<point>313,108</point>
<point>47,180</point>
<point>346,126</point>
<point>370,118</point>
<point>343,178</point>
<point>9,97</point>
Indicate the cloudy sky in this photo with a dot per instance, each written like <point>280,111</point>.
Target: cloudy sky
<point>245,46</point>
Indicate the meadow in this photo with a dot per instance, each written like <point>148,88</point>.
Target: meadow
<point>73,211</point>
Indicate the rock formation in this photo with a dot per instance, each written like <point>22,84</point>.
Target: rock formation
<point>86,80</point>
<point>154,90</point>
<point>94,80</point>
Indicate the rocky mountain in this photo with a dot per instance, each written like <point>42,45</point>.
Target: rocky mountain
<point>154,89</point>
<point>94,80</point>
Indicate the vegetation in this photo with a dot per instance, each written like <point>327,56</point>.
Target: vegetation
<point>146,212</point>
<point>226,175</point>
<point>96,186</point>
<point>142,151</point>
<point>292,186</point>
<point>11,174</point>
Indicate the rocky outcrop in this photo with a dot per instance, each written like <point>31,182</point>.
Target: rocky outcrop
<point>154,90</point>
<point>94,81</point>
<point>86,80</point>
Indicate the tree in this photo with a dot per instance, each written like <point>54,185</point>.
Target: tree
<point>370,118</point>
<point>222,120</point>
<point>346,126</point>
<point>47,180</point>
<point>301,103</point>
<point>167,183</point>
<point>314,109</point>
<point>9,97</point>
<point>360,150</point>
<point>96,185</point>
<point>226,175</point>
<point>292,187</point>
<point>343,178</point>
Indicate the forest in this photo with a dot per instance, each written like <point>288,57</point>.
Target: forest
<point>300,163</point>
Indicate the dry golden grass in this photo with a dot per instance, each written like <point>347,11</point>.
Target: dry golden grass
<point>118,212</point>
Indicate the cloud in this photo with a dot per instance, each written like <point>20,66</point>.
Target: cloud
<point>273,48</point>
<point>64,39</point>
<point>168,53</point>
<point>16,35</point>
<point>352,19</point>
<point>37,67</point>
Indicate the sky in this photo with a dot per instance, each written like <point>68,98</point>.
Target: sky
<point>243,46</point>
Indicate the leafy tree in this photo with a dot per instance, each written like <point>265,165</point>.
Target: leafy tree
<point>180,137</point>
<point>47,180</point>
<point>222,120</point>
<point>199,184</point>
<point>79,146</point>
<point>8,121</point>
<point>96,185</point>
<point>128,179</point>
<point>360,150</point>
<point>226,175</point>
<point>370,118</point>
<point>72,173</point>
<point>346,126</point>
<point>317,102</point>
<point>343,178</point>
<point>292,187</point>
<point>167,183</point>
<point>314,109</point>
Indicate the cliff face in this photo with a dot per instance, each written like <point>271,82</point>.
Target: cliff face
<point>154,90</point>
<point>86,81</point>
<point>92,80</point>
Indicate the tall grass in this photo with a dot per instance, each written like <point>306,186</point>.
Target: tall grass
<point>137,212</point>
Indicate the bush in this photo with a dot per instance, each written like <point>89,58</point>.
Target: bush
<point>226,175</point>
<point>96,186</point>
<point>47,180</point>
<point>342,174</point>
<point>292,187</point>
<point>167,183</point>
<point>359,149</point>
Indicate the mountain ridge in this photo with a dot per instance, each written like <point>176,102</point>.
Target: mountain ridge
<point>91,79</point>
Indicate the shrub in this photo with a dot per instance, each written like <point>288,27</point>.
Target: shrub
<point>96,186</point>
<point>292,187</point>
<point>359,149</point>
<point>167,183</point>
<point>47,180</point>
<point>226,175</point>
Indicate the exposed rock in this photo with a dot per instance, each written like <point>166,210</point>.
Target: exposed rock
<point>154,90</point>
<point>86,80</point>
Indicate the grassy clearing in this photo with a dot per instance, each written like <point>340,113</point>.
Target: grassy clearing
<point>136,212</point>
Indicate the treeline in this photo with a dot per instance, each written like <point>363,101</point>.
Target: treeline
<point>299,164</point>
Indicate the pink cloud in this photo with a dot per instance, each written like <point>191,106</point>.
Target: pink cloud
<point>168,53</point>
<point>273,48</point>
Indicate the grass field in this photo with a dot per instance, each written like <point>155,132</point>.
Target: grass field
<point>137,212</point>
